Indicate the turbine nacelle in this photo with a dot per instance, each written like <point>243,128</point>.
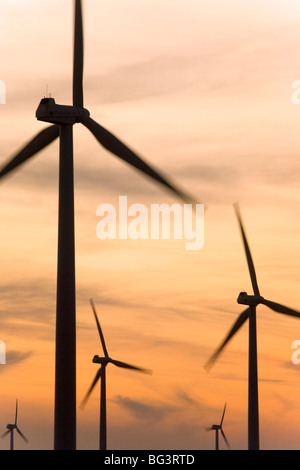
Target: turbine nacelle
<point>246,299</point>
<point>10,426</point>
<point>49,111</point>
<point>100,360</point>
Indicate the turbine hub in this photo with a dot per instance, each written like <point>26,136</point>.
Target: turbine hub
<point>49,111</point>
<point>246,299</point>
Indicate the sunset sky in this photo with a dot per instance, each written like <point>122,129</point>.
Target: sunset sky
<point>202,90</point>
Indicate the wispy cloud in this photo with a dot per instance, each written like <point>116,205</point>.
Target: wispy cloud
<point>14,358</point>
<point>145,412</point>
<point>27,307</point>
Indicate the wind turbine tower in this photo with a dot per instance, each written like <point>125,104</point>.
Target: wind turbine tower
<point>252,301</point>
<point>217,428</point>
<point>12,427</point>
<point>101,375</point>
<point>62,119</point>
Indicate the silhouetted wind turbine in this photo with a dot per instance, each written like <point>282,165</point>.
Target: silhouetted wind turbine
<point>63,118</point>
<point>12,427</point>
<point>217,428</point>
<point>250,313</point>
<point>101,375</point>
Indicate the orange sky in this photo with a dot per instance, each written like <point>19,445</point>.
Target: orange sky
<point>204,93</point>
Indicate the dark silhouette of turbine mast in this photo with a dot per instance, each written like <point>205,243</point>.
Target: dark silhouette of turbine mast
<point>252,301</point>
<point>12,427</point>
<point>217,428</point>
<point>63,118</point>
<point>101,375</point>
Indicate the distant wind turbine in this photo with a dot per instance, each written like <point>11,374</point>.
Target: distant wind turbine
<point>63,118</point>
<point>101,375</point>
<point>250,313</point>
<point>217,428</point>
<point>12,427</point>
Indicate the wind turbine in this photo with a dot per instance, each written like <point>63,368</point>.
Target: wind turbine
<point>217,428</point>
<point>12,427</point>
<point>62,119</point>
<point>101,375</point>
<point>252,301</point>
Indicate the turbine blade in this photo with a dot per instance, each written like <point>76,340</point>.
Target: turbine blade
<point>78,57</point>
<point>16,414</point>
<point>223,415</point>
<point>115,146</point>
<point>5,433</point>
<point>225,439</point>
<point>280,308</point>
<point>97,377</point>
<point>21,434</point>
<point>41,140</point>
<point>99,329</point>
<point>129,366</point>
<point>237,325</point>
<point>247,251</point>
